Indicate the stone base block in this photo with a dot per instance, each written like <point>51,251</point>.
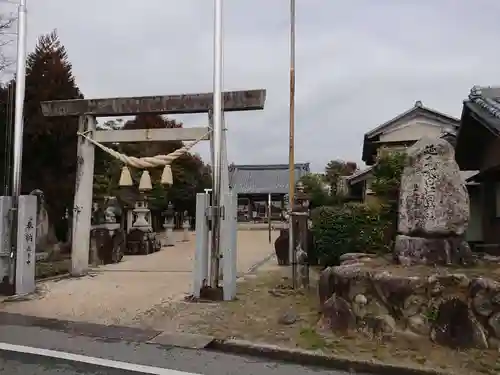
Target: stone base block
<point>432,251</point>
<point>451,309</point>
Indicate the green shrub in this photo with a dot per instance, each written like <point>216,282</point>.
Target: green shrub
<point>349,228</point>
<point>387,174</point>
<point>386,183</point>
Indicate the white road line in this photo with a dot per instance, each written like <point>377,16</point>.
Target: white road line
<point>91,360</point>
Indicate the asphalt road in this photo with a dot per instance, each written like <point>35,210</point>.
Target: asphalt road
<point>13,363</point>
<point>22,364</point>
<point>35,350</point>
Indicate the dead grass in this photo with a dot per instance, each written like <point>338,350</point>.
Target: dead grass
<point>265,298</point>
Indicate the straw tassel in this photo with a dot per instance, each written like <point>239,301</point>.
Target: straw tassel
<point>145,182</point>
<point>125,177</point>
<point>166,176</point>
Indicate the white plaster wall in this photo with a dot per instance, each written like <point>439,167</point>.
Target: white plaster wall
<point>412,131</point>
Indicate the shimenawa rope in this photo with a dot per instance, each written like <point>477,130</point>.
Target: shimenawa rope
<point>145,162</point>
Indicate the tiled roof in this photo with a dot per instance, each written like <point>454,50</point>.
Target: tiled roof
<point>358,175</point>
<point>263,179</point>
<point>488,100</point>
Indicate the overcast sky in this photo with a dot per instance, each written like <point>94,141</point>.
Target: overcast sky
<point>358,62</point>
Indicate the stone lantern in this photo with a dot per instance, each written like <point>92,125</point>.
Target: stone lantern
<point>302,199</point>
<point>186,225</point>
<point>168,224</point>
<point>141,210</point>
<point>141,239</point>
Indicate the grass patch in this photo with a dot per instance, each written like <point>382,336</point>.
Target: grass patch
<point>311,340</point>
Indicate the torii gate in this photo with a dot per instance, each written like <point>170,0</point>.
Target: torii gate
<point>88,109</point>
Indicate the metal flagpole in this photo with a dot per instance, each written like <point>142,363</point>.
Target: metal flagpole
<point>18,131</point>
<point>8,140</point>
<point>269,214</point>
<point>217,136</point>
<point>291,150</point>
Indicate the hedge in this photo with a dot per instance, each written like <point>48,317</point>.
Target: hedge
<point>349,228</point>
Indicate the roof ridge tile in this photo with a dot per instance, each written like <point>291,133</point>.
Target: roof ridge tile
<point>477,95</point>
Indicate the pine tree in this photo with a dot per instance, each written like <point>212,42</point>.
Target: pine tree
<point>6,134</point>
<point>49,147</point>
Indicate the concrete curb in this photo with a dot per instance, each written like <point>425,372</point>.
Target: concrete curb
<point>61,276</point>
<point>311,358</point>
<point>255,267</point>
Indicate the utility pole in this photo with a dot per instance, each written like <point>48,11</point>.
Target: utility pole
<point>18,133</point>
<point>217,209</point>
<point>291,149</point>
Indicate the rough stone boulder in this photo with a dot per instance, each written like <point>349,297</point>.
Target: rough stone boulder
<point>45,236</point>
<point>281,248</point>
<point>433,196</point>
<point>457,327</point>
<point>326,284</point>
<point>338,315</point>
<point>451,309</point>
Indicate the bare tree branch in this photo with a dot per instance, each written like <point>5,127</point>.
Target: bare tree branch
<point>7,39</point>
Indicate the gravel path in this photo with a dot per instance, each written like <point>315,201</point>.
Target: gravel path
<point>121,293</point>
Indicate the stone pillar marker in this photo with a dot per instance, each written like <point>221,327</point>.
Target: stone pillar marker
<point>185,227</point>
<point>169,225</point>
<point>26,240</point>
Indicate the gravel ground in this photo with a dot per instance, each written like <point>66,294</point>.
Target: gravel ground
<point>120,293</point>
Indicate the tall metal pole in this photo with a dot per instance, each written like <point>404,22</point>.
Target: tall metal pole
<point>269,214</point>
<point>217,136</point>
<point>291,149</point>
<point>18,130</point>
<point>8,141</point>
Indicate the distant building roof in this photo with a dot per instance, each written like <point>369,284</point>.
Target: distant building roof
<point>263,179</point>
<point>487,99</point>
<point>371,138</point>
<point>480,124</point>
<point>417,108</point>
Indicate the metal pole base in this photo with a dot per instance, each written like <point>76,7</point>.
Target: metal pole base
<point>208,293</point>
<point>6,286</point>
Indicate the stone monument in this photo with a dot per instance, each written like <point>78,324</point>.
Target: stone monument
<point>433,207</point>
<point>46,240</point>
<point>107,238</point>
